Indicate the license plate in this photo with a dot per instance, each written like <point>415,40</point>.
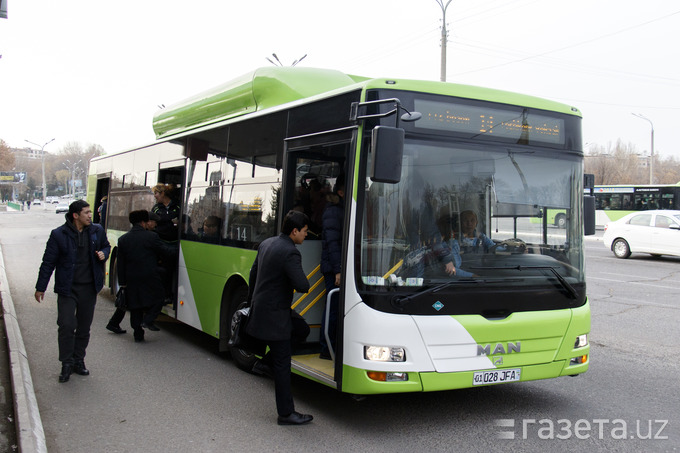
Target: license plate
<point>496,376</point>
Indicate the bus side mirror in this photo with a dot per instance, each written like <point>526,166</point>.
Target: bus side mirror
<point>387,145</point>
<point>588,215</point>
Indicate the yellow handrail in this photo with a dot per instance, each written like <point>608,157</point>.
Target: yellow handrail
<point>318,282</point>
<point>391,271</point>
<point>316,299</point>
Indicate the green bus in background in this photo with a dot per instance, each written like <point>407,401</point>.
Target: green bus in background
<point>415,154</point>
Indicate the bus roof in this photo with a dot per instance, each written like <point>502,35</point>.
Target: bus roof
<point>270,87</point>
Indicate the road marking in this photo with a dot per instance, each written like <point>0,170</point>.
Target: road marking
<point>632,283</point>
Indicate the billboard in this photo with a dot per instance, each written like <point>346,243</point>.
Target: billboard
<point>7,177</point>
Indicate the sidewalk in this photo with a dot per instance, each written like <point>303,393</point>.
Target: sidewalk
<point>30,436</point>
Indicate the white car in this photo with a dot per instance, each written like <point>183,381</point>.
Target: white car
<point>61,207</point>
<point>655,232</point>
<point>37,202</point>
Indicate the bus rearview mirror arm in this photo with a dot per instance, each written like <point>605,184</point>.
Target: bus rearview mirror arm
<point>387,143</point>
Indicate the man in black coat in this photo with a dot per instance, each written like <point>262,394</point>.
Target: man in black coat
<point>276,272</point>
<point>138,253</point>
<point>168,253</point>
<point>78,250</point>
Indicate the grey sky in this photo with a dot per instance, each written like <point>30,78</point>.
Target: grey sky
<point>95,72</point>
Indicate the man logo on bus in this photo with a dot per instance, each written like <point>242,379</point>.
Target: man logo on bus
<point>499,349</point>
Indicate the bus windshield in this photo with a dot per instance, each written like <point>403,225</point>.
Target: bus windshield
<point>470,217</point>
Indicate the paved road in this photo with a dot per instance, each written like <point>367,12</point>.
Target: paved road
<point>175,393</point>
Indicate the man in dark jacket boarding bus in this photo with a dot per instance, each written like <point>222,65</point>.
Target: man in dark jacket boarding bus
<point>276,272</point>
<point>78,250</point>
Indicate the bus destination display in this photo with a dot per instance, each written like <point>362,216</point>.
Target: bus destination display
<point>519,125</point>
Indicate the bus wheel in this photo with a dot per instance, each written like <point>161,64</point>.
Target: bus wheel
<point>114,284</point>
<point>621,248</point>
<point>561,221</point>
<point>242,358</point>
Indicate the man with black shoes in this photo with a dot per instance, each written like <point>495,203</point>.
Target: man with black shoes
<point>276,272</point>
<point>78,250</point>
<point>139,251</point>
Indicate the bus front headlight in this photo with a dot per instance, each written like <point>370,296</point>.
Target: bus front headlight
<point>384,354</point>
<point>581,341</point>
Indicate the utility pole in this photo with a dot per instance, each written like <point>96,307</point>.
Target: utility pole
<point>651,153</point>
<point>445,34</point>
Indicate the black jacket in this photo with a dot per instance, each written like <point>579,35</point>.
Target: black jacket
<point>61,253</point>
<point>276,272</point>
<point>331,236</point>
<point>138,253</point>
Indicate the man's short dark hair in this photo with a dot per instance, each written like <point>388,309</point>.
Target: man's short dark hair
<point>339,183</point>
<point>75,208</point>
<point>136,217</point>
<point>294,219</point>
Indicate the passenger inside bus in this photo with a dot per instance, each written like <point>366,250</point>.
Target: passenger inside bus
<point>310,198</point>
<point>470,240</point>
<point>210,232</point>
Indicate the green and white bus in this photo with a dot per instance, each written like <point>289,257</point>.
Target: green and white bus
<point>615,201</point>
<point>415,155</point>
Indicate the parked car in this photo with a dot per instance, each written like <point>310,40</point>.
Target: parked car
<point>61,207</point>
<point>656,232</point>
<point>36,202</point>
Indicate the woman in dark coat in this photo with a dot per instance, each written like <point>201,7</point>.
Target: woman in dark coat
<point>138,253</point>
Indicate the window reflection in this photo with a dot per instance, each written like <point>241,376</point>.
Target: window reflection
<point>230,202</point>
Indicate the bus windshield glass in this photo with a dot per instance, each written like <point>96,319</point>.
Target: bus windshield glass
<point>466,215</point>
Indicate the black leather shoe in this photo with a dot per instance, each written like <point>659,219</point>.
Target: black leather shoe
<point>115,329</point>
<point>295,418</point>
<point>139,339</point>
<point>262,369</point>
<point>65,373</point>
<point>151,326</point>
<point>79,368</point>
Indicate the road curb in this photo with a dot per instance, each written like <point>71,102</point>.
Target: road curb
<point>30,434</point>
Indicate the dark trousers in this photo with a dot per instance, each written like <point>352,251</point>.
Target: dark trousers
<point>329,280</point>
<point>278,358</point>
<point>136,318</point>
<point>74,318</point>
<point>153,312</point>
<point>147,317</point>
<point>117,317</point>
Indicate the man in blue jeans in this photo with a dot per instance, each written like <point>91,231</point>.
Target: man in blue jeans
<point>78,250</point>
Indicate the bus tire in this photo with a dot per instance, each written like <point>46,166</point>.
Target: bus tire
<point>114,284</point>
<point>242,358</point>
<point>621,248</point>
<point>561,221</point>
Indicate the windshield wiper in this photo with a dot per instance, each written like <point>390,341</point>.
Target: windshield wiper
<point>402,301</point>
<point>565,284</point>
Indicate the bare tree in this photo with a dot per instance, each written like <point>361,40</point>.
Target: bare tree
<point>7,160</point>
<point>615,164</point>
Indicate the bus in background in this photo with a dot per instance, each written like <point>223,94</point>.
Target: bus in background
<point>615,201</point>
<point>416,155</point>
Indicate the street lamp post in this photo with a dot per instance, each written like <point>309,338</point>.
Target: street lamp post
<point>72,175</point>
<point>651,153</point>
<point>444,38</point>
<point>42,154</point>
